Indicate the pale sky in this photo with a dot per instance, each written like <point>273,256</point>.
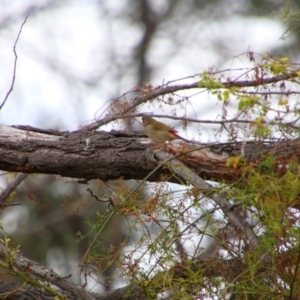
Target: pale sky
<point>71,42</point>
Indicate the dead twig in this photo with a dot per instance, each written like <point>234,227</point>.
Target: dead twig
<point>15,65</point>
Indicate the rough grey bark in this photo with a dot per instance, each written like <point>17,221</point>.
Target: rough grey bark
<point>16,291</point>
<point>114,155</point>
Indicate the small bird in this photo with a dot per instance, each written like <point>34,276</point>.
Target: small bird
<point>159,132</point>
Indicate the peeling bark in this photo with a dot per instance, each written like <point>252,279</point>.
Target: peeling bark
<point>113,155</point>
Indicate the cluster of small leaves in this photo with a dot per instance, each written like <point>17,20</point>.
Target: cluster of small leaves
<point>270,108</point>
<point>208,81</point>
<point>269,192</point>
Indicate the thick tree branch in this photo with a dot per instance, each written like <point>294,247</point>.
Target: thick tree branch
<point>38,271</point>
<point>14,291</point>
<point>114,155</point>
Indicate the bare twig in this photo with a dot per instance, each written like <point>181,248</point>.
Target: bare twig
<point>193,120</point>
<point>178,244</point>
<point>164,90</point>
<point>15,64</point>
<point>11,187</point>
<point>219,198</point>
<point>270,93</point>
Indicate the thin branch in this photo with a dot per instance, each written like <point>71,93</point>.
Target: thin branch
<point>221,122</point>
<point>219,198</point>
<point>11,187</point>
<point>178,243</point>
<point>164,90</point>
<point>15,64</point>
<point>233,120</point>
<point>269,93</point>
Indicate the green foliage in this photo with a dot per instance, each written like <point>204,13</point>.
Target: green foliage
<point>291,19</point>
<point>207,81</point>
<point>271,190</point>
<point>261,130</point>
<point>247,101</point>
<point>278,66</point>
<point>266,164</point>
